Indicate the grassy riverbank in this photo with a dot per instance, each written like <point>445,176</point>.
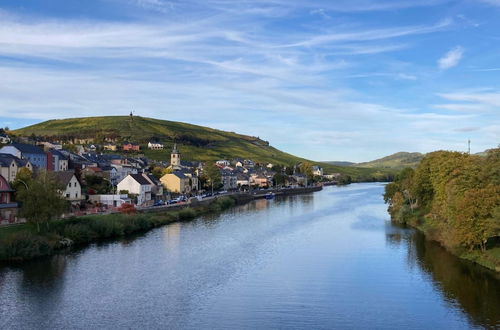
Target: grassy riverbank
<point>23,242</point>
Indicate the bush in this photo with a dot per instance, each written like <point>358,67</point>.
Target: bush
<point>79,233</point>
<point>187,214</point>
<point>25,245</point>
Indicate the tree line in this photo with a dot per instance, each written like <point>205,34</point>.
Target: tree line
<point>453,197</point>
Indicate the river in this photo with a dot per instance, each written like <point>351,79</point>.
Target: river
<point>324,260</point>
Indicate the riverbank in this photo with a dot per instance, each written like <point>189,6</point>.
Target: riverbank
<point>489,258</point>
<point>22,242</point>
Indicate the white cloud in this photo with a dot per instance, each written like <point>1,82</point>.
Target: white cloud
<point>451,58</point>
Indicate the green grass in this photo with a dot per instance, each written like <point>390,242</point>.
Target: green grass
<point>11,229</point>
<point>196,143</point>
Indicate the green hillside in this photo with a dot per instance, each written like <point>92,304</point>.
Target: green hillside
<point>395,161</point>
<point>196,143</point>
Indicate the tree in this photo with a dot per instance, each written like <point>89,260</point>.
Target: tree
<point>212,175</point>
<point>306,169</point>
<point>157,172</point>
<point>23,179</point>
<point>279,179</point>
<point>41,199</point>
<point>167,170</point>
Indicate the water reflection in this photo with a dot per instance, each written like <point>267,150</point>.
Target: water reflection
<point>473,288</point>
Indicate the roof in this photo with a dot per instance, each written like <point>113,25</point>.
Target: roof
<point>94,169</point>
<point>179,174</point>
<point>6,160</point>
<point>58,153</point>
<point>27,148</point>
<point>152,178</point>
<point>140,179</point>
<point>64,177</point>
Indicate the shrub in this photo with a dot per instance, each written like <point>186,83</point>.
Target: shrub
<point>127,208</point>
<point>187,214</point>
<point>25,245</point>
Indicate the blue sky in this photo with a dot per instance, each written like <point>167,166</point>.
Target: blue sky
<point>326,80</point>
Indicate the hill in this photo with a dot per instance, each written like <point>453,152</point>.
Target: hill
<point>395,161</point>
<point>196,143</point>
<point>339,163</point>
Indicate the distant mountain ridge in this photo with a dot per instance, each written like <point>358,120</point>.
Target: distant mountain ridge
<point>395,161</point>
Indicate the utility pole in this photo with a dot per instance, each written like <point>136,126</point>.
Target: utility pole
<point>468,149</point>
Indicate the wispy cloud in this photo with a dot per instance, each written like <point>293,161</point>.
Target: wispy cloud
<point>451,58</point>
<point>245,66</point>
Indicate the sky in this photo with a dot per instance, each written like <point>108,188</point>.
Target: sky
<point>327,80</point>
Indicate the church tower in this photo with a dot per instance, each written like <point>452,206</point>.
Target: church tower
<point>175,158</point>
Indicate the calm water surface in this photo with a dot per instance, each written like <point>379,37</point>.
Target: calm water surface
<point>319,261</point>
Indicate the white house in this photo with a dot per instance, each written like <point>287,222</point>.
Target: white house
<point>223,163</point>
<point>317,170</point>
<point>138,185</point>
<point>155,146</point>
<point>72,187</point>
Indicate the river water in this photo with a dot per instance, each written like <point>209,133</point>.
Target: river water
<point>324,260</point>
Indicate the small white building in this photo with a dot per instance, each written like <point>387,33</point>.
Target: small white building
<point>223,162</point>
<point>110,200</point>
<point>155,146</point>
<point>317,170</point>
<point>72,187</point>
<point>138,185</point>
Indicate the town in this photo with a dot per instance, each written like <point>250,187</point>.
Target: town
<point>100,178</point>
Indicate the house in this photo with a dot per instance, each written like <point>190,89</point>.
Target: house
<point>333,176</point>
<point>127,146</point>
<point>260,180</point>
<point>109,147</point>
<point>301,179</point>
<point>317,170</point>
<point>155,146</point>
<point>176,182</point>
<point>123,170</point>
<point>249,163</point>
<point>157,187</point>
<point>4,138</point>
<point>8,208</point>
<point>229,180</point>
<point>57,161</point>
<point>138,185</point>
<point>242,180</point>
<point>223,163</point>
<point>269,166</point>
<point>72,189</point>
<point>35,155</point>
<point>49,145</point>
<point>11,165</point>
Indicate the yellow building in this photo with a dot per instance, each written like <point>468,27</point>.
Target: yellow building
<point>176,182</point>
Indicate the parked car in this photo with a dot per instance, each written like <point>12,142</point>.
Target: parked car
<point>159,203</point>
<point>172,201</point>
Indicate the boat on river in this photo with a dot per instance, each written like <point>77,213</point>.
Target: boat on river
<point>270,195</point>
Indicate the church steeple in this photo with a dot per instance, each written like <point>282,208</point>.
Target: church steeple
<point>175,157</point>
